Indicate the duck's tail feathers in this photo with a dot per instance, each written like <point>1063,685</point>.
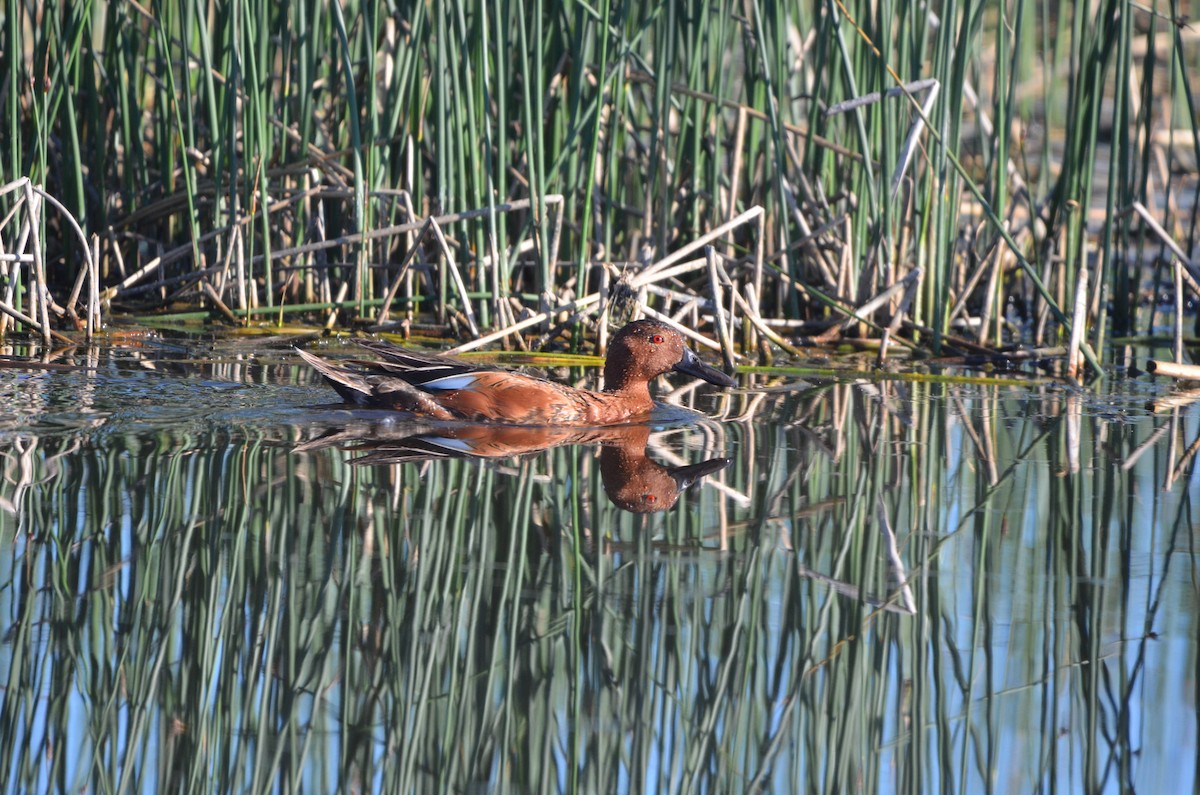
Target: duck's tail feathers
<point>353,387</point>
<point>364,388</point>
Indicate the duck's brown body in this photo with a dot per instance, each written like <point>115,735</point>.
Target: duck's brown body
<point>443,388</point>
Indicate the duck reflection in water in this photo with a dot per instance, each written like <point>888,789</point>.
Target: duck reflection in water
<point>632,480</point>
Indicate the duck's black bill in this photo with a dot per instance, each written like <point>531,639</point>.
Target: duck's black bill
<point>688,474</point>
<point>691,365</point>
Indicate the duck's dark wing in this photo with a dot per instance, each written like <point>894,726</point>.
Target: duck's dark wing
<point>429,371</point>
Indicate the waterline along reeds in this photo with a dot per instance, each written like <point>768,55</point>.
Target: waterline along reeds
<point>949,180</point>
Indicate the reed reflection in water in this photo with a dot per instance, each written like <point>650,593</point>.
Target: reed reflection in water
<point>892,586</point>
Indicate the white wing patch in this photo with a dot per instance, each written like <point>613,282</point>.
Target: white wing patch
<point>458,445</point>
<point>450,382</point>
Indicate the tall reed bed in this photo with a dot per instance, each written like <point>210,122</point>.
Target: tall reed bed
<point>971,176</point>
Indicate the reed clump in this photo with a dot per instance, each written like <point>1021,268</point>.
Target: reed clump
<point>766,175</point>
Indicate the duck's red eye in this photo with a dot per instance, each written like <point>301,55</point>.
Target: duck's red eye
<point>657,339</point>
<point>650,498</point>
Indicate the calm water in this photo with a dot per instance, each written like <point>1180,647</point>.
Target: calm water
<point>891,586</point>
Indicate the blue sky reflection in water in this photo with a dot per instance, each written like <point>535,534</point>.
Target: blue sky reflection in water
<point>891,587</point>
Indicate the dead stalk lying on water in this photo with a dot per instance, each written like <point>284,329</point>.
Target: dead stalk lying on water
<point>1186,372</point>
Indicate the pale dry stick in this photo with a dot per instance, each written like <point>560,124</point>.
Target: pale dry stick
<point>40,289</point>
<point>1181,468</point>
<point>913,279</point>
<point>9,274</point>
<point>555,199</point>
<point>1177,399</point>
<point>184,251</point>
<point>910,142</point>
<point>396,229</point>
<point>756,280</point>
<point>218,303</point>
<point>642,279</point>
<point>494,263</point>
<point>1162,235</point>
<point>748,305</point>
<point>875,96</point>
<point>808,238</point>
<point>973,282</point>
<point>1178,311</point>
<point>688,307</point>
<point>732,307</point>
<point>783,322</point>
<point>680,297</point>
<point>410,241</point>
<point>702,241</point>
<point>221,280</point>
<point>906,153</point>
<point>684,330</point>
<point>459,285</point>
<point>570,320</point>
<point>325,283</point>
<point>22,242</point>
<point>847,284</point>
<point>714,285</point>
<point>1172,447</point>
<point>1079,317</point>
<point>749,411</point>
<point>386,308</point>
<point>739,141</point>
<point>532,320</point>
<point>865,311</point>
<point>985,123</point>
<point>16,205</point>
<point>76,289</point>
<point>296,251</point>
<point>639,301</point>
<point>89,272</point>
<point>895,561</point>
<point>989,294</point>
<point>1178,370</point>
<point>31,290</point>
<point>25,319</point>
<point>146,269</point>
<point>93,317</point>
<point>602,332</point>
<point>333,313</point>
<point>1141,449</point>
<point>70,219</point>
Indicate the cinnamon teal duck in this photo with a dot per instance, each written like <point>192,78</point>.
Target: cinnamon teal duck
<point>444,388</point>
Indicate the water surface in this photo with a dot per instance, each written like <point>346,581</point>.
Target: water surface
<point>892,586</point>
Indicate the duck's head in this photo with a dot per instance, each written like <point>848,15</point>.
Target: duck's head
<point>645,349</point>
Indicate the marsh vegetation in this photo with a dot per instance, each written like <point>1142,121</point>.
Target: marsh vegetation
<point>893,576</point>
<point>769,175</point>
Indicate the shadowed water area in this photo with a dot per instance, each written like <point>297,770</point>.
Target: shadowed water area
<point>891,586</point>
